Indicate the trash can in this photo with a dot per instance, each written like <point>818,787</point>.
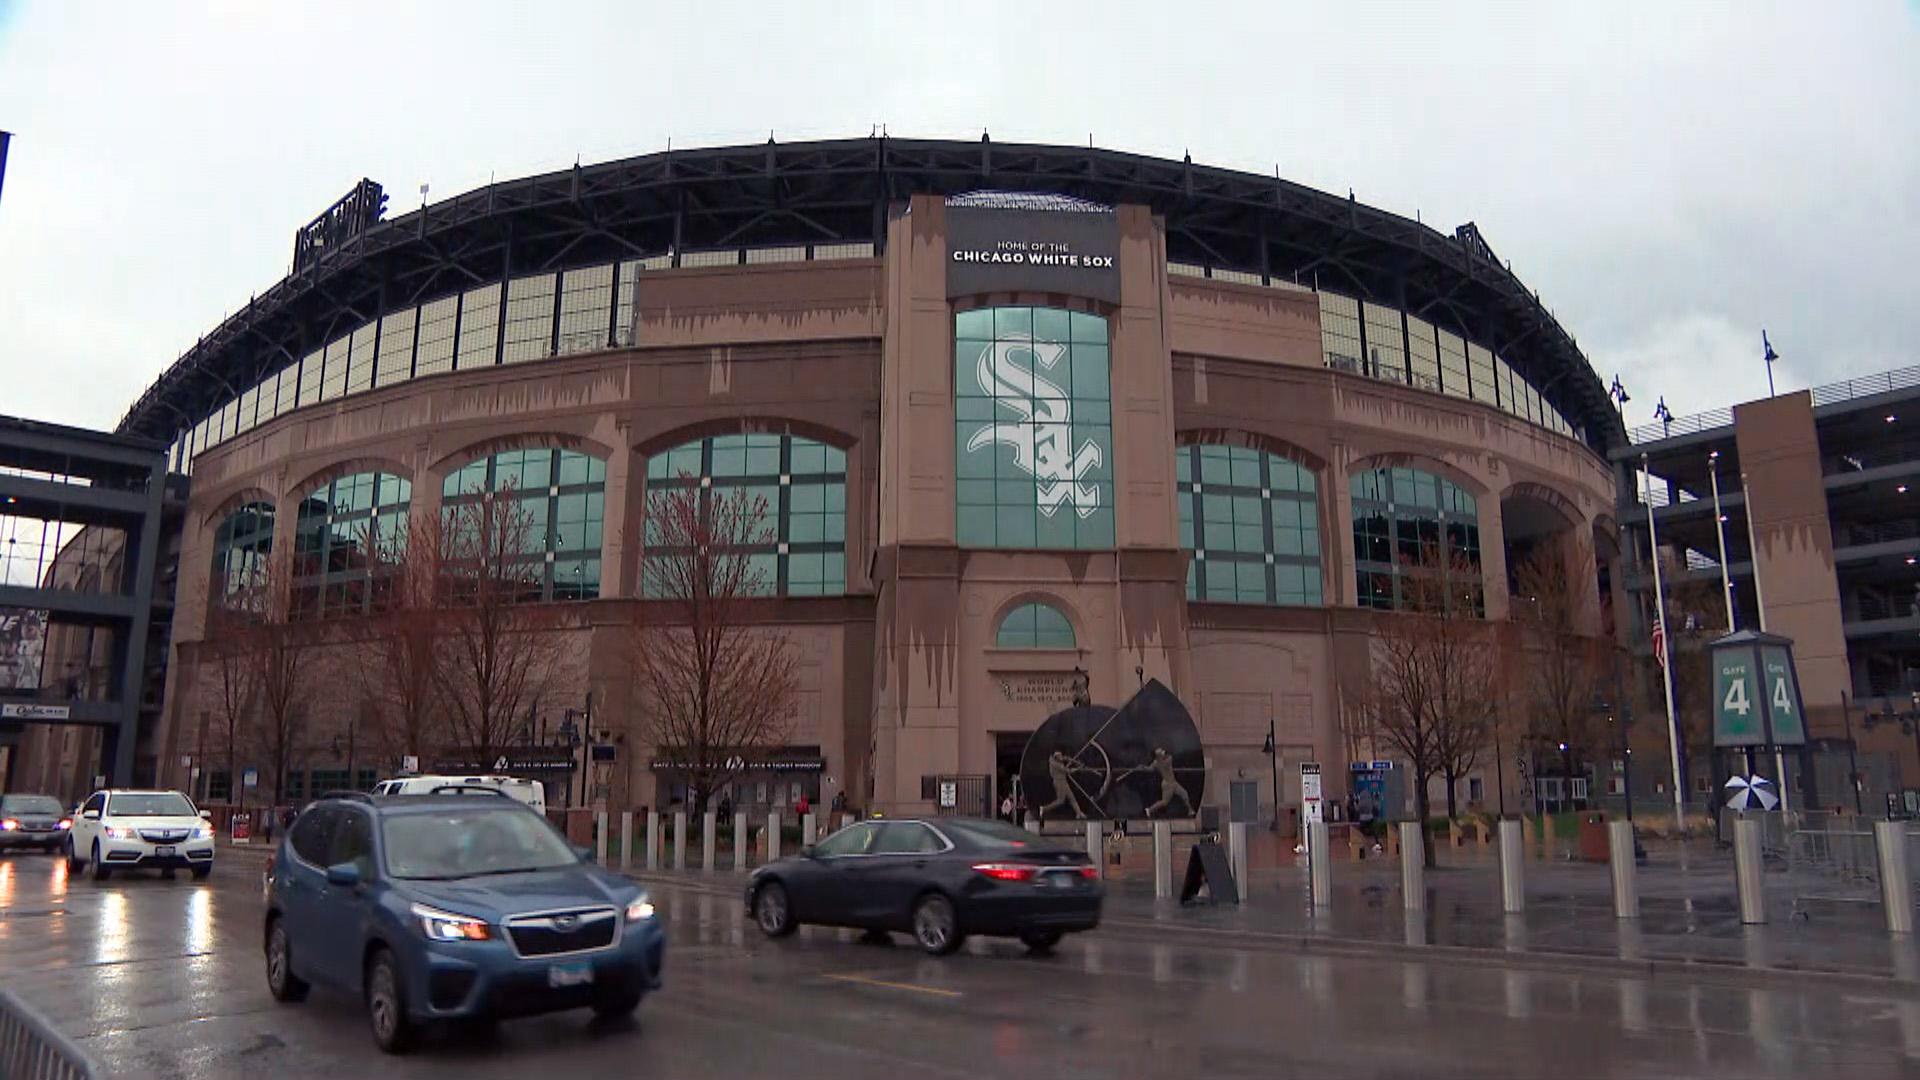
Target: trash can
<point>1594,846</point>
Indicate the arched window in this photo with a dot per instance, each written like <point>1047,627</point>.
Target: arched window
<point>804,484</point>
<point>562,495</point>
<point>1033,429</point>
<point>1034,626</point>
<point>1252,521</point>
<point>342,528</point>
<point>241,547</point>
<point>1409,529</point>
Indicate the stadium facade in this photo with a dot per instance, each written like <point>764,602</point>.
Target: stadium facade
<point>1027,417</point>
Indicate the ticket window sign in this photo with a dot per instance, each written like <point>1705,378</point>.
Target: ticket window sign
<point>1310,797</point>
<point>1756,692</point>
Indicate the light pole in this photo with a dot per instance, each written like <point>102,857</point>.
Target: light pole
<point>1272,750</point>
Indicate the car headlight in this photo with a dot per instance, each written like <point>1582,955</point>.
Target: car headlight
<point>66,823</point>
<point>446,926</point>
<point>9,825</point>
<point>640,910</point>
<point>118,832</point>
<point>204,832</point>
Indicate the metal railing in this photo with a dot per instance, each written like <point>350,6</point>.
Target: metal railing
<point>30,1048</point>
<point>1830,394</point>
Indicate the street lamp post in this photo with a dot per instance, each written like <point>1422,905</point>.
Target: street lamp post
<point>1273,759</point>
<point>1908,721</point>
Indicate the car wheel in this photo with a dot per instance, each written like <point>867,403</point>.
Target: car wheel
<point>387,1005</point>
<point>73,861</point>
<point>615,1004</point>
<point>1040,941</point>
<point>935,926</point>
<point>773,911</point>
<point>200,872</point>
<point>98,865</point>
<point>282,983</point>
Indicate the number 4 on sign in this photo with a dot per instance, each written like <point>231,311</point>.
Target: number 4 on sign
<point>1780,702</point>
<point>1736,700</point>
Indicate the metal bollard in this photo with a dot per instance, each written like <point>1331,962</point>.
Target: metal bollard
<point>741,852</point>
<point>1747,870</point>
<point>1626,889</point>
<point>1513,885</point>
<point>600,837</point>
<point>626,839</point>
<point>709,840</point>
<point>1096,846</point>
<point>1890,840</point>
<point>1320,863</point>
<point>679,839</point>
<point>846,820</point>
<point>806,829</point>
<point>1413,867</point>
<point>1237,855</point>
<point>653,839</point>
<point>773,835</point>
<point>1162,859</point>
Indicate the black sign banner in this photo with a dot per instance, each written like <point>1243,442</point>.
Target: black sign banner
<point>1058,251</point>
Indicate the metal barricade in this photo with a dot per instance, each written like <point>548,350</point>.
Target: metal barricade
<point>1833,865</point>
<point>30,1048</point>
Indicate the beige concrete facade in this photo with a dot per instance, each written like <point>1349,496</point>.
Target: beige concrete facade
<point>901,678</point>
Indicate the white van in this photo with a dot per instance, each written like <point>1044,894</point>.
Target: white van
<point>531,792</point>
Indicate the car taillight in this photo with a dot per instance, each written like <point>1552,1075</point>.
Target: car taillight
<point>1006,871</point>
<point>1089,872</point>
<point>9,825</point>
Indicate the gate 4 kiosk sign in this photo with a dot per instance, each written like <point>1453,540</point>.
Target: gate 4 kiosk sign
<point>1756,692</point>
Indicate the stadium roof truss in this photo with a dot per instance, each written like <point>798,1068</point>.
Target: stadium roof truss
<point>838,192</point>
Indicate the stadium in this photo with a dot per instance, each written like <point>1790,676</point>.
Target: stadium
<point>1028,419</point>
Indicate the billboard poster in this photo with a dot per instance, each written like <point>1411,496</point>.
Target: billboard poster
<point>23,646</point>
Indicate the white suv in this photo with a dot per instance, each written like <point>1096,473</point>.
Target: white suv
<point>140,829</point>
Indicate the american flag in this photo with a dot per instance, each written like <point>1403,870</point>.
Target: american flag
<point>1660,645</point>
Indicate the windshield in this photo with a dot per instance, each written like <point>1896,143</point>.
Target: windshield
<point>457,843</point>
<point>158,804</point>
<point>988,834</point>
<point>30,804</point>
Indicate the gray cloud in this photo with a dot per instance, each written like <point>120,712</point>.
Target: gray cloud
<point>1670,177</point>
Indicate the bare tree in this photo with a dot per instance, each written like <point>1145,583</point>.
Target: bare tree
<point>1565,664</point>
<point>401,655</point>
<point>236,686</point>
<point>716,691</point>
<point>1430,696</point>
<point>494,645</point>
<point>280,653</point>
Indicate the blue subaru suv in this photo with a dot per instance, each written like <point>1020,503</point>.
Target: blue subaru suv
<point>448,907</point>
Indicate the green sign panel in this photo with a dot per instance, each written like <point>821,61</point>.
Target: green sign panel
<point>1736,710</point>
<point>1783,696</point>
<point>1756,694</point>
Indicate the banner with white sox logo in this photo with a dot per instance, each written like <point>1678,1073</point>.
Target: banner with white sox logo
<point>1034,429</point>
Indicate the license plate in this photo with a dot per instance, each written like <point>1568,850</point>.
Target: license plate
<point>1063,881</point>
<point>163,851</point>
<point>569,975</point>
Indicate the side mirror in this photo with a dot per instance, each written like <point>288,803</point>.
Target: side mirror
<point>91,815</point>
<point>809,852</point>
<point>206,815</point>
<point>343,874</point>
<point>585,852</point>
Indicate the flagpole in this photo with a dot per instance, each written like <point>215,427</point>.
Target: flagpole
<point>1720,533</point>
<point>1760,603</point>
<point>1666,682</point>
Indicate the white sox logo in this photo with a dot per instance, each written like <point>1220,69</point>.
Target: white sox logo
<point>1042,442</point>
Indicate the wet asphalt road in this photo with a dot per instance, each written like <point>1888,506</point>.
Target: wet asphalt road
<point>164,979</point>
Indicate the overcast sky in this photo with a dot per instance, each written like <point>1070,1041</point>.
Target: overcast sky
<point>1670,177</point>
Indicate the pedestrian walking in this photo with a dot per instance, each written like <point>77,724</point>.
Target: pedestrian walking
<point>803,805</point>
<point>1006,808</point>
